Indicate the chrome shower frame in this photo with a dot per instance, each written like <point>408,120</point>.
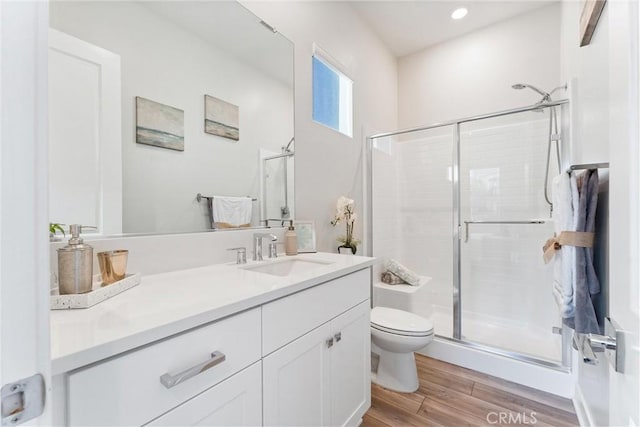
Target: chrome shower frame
<point>457,228</point>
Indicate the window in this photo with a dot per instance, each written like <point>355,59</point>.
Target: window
<point>332,96</point>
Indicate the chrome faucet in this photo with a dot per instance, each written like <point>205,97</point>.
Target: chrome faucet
<point>257,244</point>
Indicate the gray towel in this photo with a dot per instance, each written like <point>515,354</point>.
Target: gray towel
<point>587,283</point>
<point>391,279</point>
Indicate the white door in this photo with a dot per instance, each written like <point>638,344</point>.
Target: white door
<point>24,248</point>
<point>624,184</point>
<point>237,401</point>
<point>296,382</point>
<point>351,366</point>
<point>85,137</point>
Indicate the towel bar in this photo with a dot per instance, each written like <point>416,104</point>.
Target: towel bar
<point>209,200</point>
<point>199,197</point>
<point>466,224</point>
<point>588,166</point>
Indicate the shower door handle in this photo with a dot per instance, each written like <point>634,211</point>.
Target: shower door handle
<point>466,224</point>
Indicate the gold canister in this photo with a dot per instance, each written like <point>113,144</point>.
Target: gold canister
<point>113,265</point>
<point>75,264</point>
<point>75,269</point>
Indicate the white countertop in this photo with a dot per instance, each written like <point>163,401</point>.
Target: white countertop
<point>170,303</point>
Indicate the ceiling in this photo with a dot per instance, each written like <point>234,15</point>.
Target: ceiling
<point>234,29</point>
<point>406,27</point>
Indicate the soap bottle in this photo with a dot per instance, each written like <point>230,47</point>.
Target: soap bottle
<point>291,240</point>
<point>75,264</point>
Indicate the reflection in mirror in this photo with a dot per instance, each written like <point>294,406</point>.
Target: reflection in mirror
<point>138,170</point>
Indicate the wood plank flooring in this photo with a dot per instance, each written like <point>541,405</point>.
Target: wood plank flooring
<point>452,396</point>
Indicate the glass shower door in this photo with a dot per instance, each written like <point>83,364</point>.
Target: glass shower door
<point>505,287</point>
<point>412,201</point>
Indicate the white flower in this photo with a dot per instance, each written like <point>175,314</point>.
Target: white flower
<point>344,205</point>
<point>345,210</point>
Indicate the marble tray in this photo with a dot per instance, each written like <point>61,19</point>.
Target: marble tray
<point>98,294</point>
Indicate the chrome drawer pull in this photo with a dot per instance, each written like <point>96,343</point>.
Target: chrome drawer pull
<point>338,336</point>
<point>169,380</point>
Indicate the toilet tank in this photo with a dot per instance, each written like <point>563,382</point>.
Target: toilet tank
<point>414,299</point>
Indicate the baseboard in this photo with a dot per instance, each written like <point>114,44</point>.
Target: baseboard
<point>552,381</point>
<point>582,411</point>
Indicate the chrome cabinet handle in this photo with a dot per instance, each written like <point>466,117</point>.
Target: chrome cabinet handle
<point>338,336</point>
<point>330,342</point>
<point>170,381</point>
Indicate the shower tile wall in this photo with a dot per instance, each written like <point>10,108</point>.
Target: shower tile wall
<point>504,279</point>
<point>412,205</point>
<point>386,208</point>
<point>502,176</point>
<point>426,202</point>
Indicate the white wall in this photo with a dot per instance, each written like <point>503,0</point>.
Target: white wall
<point>473,74</point>
<point>168,64</point>
<point>328,164</point>
<point>586,70</point>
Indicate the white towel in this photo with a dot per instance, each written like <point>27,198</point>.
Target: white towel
<point>403,272</point>
<point>565,217</point>
<point>231,211</point>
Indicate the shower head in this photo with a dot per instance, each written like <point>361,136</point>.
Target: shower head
<point>545,96</point>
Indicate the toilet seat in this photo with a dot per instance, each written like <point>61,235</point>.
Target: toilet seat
<point>400,322</point>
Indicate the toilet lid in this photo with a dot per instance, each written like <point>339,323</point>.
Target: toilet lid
<point>400,322</point>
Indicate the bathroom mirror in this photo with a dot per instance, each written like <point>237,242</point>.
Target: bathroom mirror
<point>152,103</point>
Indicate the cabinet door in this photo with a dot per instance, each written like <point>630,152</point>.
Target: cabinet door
<point>237,401</point>
<point>351,366</point>
<point>296,382</point>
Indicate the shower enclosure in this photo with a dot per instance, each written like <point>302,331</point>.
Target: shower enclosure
<point>463,202</point>
<point>277,186</point>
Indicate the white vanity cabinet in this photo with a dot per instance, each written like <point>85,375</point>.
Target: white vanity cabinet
<point>300,359</point>
<point>237,401</point>
<point>127,389</point>
<point>321,377</point>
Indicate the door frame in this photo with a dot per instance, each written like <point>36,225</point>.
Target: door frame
<point>24,241</point>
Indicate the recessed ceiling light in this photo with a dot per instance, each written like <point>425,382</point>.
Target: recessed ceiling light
<point>459,13</point>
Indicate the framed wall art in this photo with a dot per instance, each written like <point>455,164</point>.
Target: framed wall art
<point>221,118</point>
<point>159,125</point>
<point>306,234</point>
<point>591,12</point>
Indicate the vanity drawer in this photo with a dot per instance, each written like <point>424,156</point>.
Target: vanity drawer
<point>127,389</point>
<point>293,316</point>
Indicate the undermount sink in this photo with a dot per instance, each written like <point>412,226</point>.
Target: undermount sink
<point>287,267</point>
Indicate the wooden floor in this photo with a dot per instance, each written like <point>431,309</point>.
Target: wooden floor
<point>452,396</point>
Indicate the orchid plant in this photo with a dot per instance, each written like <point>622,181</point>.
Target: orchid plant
<point>345,212</point>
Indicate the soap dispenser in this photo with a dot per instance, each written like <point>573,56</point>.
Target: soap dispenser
<point>75,264</point>
<point>291,240</point>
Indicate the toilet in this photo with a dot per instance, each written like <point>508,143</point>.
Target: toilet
<point>396,333</point>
